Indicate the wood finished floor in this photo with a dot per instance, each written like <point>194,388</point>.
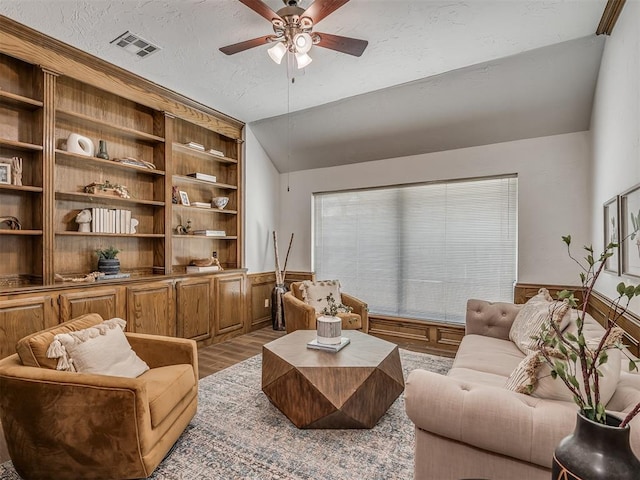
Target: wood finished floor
<point>219,356</point>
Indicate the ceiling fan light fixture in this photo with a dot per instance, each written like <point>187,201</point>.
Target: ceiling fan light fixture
<point>277,52</point>
<point>303,60</point>
<point>303,42</point>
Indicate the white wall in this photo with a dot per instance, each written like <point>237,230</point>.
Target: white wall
<point>261,205</point>
<point>553,191</point>
<point>615,127</point>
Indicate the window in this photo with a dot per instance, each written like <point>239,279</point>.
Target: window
<point>420,251</point>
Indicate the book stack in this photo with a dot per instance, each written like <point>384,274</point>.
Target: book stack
<point>196,269</point>
<point>210,233</point>
<point>201,204</point>
<point>203,176</point>
<point>113,276</point>
<point>110,220</point>
<point>215,152</point>
<point>344,341</point>
<point>195,145</point>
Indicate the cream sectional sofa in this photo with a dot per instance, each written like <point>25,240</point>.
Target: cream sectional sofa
<point>468,425</point>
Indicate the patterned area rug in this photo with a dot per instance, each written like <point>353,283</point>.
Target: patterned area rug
<point>238,434</point>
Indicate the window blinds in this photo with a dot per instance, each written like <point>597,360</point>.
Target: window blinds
<point>420,251</point>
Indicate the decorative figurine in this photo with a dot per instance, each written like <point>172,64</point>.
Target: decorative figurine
<point>16,171</point>
<point>83,219</point>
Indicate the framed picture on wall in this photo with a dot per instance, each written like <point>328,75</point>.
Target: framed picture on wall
<point>630,231</point>
<point>612,233</point>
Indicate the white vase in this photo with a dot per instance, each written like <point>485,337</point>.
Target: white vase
<point>329,330</point>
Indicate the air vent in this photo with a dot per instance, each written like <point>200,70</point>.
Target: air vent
<point>134,44</point>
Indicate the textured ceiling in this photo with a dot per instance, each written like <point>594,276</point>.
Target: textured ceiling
<point>409,41</point>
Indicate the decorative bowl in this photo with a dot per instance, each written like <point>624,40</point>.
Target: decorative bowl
<point>220,202</point>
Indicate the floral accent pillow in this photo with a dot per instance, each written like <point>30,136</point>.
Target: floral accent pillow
<point>316,293</point>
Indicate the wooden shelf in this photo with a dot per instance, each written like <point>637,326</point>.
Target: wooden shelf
<point>207,210</point>
<point>76,158</point>
<point>223,186</point>
<point>101,234</point>
<point>21,232</point>
<point>8,98</point>
<point>27,147</point>
<point>84,120</point>
<point>200,154</point>
<point>21,188</point>
<point>204,237</point>
<point>91,198</point>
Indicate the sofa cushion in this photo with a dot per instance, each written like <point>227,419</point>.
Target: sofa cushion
<point>533,377</point>
<point>166,387</point>
<point>102,349</point>
<point>488,354</point>
<point>476,376</point>
<point>32,349</point>
<point>316,293</point>
<point>533,315</point>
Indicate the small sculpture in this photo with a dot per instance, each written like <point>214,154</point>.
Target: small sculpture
<point>184,229</point>
<point>102,150</point>
<point>16,170</point>
<point>83,219</point>
<point>134,224</point>
<point>12,222</point>
<point>81,145</point>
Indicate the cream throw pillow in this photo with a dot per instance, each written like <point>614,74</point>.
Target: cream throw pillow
<point>533,377</point>
<point>533,315</point>
<point>316,293</point>
<point>102,349</point>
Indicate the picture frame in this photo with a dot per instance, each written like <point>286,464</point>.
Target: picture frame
<point>5,173</point>
<point>611,230</point>
<point>629,231</point>
<point>184,198</point>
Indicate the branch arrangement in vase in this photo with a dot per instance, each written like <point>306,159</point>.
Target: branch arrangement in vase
<point>576,360</point>
<point>333,308</point>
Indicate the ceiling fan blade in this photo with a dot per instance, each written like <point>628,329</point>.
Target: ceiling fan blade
<point>261,9</point>
<point>246,45</point>
<point>352,46</point>
<point>321,8</point>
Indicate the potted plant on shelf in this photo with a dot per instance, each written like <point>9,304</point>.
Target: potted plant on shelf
<point>108,263</point>
<point>578,362</point>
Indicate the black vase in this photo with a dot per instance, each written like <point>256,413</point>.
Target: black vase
<point>596,452</point>
<point>277,307</point>
<point>109,266</point>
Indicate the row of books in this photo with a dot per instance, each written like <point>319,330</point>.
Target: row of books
<point>110,220</point>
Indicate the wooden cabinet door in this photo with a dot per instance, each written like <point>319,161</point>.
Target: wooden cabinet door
<point>21,317</point>
<point>194,308</point>
<point>106,302</point>
<point>230,306</point>
<point>150,309</point>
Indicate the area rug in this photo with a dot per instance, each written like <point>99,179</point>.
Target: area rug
<point>238,434</point>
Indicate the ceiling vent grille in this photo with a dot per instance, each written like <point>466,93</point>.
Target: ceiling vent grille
<point>134,44</point>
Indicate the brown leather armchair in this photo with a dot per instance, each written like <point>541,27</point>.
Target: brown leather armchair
<point>300,316</point>
<point>68,425</point>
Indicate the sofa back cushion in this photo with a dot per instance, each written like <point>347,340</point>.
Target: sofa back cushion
<point>533,315</point>
<point>32,349</point>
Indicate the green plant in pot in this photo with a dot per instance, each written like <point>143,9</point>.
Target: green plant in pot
<point>599,448</point>
<point>108,263</point>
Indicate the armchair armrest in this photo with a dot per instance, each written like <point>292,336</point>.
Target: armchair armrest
<point>297,314</point>
<point>490,319</point>
<point>160,351</point>
<point>475,414</point>
<point>359,307</point>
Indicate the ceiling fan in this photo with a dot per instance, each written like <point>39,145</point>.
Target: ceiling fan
<point>293,31</point>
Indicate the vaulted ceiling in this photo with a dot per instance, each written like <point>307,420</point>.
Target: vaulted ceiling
<point>436,74</point>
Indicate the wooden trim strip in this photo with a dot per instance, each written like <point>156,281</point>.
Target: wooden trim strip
<point>610,17</point>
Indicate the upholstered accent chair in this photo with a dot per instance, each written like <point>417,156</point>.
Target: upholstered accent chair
<point>300,315</point>
<point>68,425</point>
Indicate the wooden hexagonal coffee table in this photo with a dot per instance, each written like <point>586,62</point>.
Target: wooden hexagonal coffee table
<point>352,388</point>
